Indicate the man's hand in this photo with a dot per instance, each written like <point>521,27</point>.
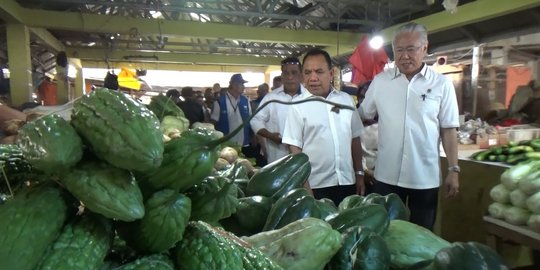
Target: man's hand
<point>451,185</point>
<point>360,185</point>
<point>275,137</point>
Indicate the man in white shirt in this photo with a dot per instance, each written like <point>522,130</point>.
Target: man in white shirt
<point>270,121</point>
<point>416,109</point>
<point>328,135</point>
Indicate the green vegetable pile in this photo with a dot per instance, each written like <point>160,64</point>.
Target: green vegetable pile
<point>105,191</point>
<point>517,198</point>
<point>511,153</point>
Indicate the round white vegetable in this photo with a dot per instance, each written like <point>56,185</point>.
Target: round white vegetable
<point>500,194</point>
<point>496,209</point>
<point>518,198</point>
<point>230,154</point>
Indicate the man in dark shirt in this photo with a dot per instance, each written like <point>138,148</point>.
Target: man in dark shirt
<point>193,110</point>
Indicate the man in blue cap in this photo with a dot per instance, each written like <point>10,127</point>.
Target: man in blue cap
<point>231,110</point>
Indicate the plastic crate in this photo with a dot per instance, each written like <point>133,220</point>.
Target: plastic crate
<point>517,135</point>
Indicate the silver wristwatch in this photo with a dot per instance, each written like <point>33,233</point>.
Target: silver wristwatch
<point>361,173</point>
<point>454,168</point>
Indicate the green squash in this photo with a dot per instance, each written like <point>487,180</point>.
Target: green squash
<point>50,144</point>
<point>29,224</point>
<point>119,129</point>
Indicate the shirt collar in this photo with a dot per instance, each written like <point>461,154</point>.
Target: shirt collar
<point>425,72</point>
<point>281,89</point>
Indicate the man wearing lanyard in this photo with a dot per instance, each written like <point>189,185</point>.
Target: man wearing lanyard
<point>231,110</point>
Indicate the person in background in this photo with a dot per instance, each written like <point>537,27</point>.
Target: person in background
<point>262,90</point>
<point>416,109</point>
<point>369,141</point>
<point>269,122</point>
<point>277,82</point>
<point>209,99</point>
<point>230,111</point>
<point>328,135</point>
<point>192,109</point>
<point>174,95</point>
<point>9,116</point>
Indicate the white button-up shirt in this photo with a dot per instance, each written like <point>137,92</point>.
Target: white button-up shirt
<point>411,115</point>
<point>325,135</point>
<point>272,117</point>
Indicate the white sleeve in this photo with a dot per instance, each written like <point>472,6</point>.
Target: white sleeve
<point>449,113</point>
<point>368,107</point>
<point>215,111</point>
<point>261,118</point>
<point>292,135</point>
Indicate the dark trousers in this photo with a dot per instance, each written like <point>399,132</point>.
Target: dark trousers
<point>335,193</point>
<point>251,151</point>
<point>421,202</point>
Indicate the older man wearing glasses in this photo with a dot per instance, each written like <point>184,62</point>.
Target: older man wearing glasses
<point>417,109</point>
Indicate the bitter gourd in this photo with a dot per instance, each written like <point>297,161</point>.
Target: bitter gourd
<point>203,248</point>
<point>105,190</point>
<point>151,262</point>
<point>50,144</point>
<point>119,129</point>
<point>29,224</point>
<point>82,245</point>
<point>163,225</point>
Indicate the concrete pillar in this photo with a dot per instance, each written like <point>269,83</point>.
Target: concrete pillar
<point>62,85</point>
<point>20,63</point>
<point>79,88</point>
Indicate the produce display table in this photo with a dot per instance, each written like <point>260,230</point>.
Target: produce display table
<point>460,218</point>
<point>499,230</point>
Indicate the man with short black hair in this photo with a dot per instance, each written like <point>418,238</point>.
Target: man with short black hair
<point>192,109</point>
<point>269,122</point>
<point>328,135</point>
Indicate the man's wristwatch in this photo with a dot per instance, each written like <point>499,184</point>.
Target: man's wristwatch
<point>454,168</point>
<point>361,173</point>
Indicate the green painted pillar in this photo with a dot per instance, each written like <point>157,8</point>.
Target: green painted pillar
<point>20,63</point>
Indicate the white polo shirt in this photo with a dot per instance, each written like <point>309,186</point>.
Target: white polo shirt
<point>411,115</point>
<point>272,117</point>
<point>325,135</point>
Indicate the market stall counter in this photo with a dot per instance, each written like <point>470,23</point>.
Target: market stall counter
<point>461,218</point>
<point>500,231</point>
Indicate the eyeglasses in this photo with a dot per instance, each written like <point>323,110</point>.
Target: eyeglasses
<point>409,50</point>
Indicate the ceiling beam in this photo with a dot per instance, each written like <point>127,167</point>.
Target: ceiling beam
<point>11,11</point>
<point>194,59</point>
<point>479,10</point>
<point>94,23</point>
<point>174,66</point>
<point>47,38</point>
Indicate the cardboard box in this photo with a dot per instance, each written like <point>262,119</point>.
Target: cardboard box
<point>488,141</point>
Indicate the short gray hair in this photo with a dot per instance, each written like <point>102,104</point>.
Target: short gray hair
<point>410,28</point>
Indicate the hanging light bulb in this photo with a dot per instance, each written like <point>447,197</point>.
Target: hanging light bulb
<point>376,42</point>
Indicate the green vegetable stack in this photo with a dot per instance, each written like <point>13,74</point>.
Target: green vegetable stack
<point>108,193</point>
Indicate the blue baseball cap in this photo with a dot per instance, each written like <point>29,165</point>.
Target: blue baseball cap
<point>237,78</point>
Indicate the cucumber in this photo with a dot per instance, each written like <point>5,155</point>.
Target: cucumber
<point>533,155</point>
<point>520,149</point>
<point>535,143</point>
<point>481,156</point>
<point>515,159</point>
<point>492,158</point>
<point>502,158</point>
